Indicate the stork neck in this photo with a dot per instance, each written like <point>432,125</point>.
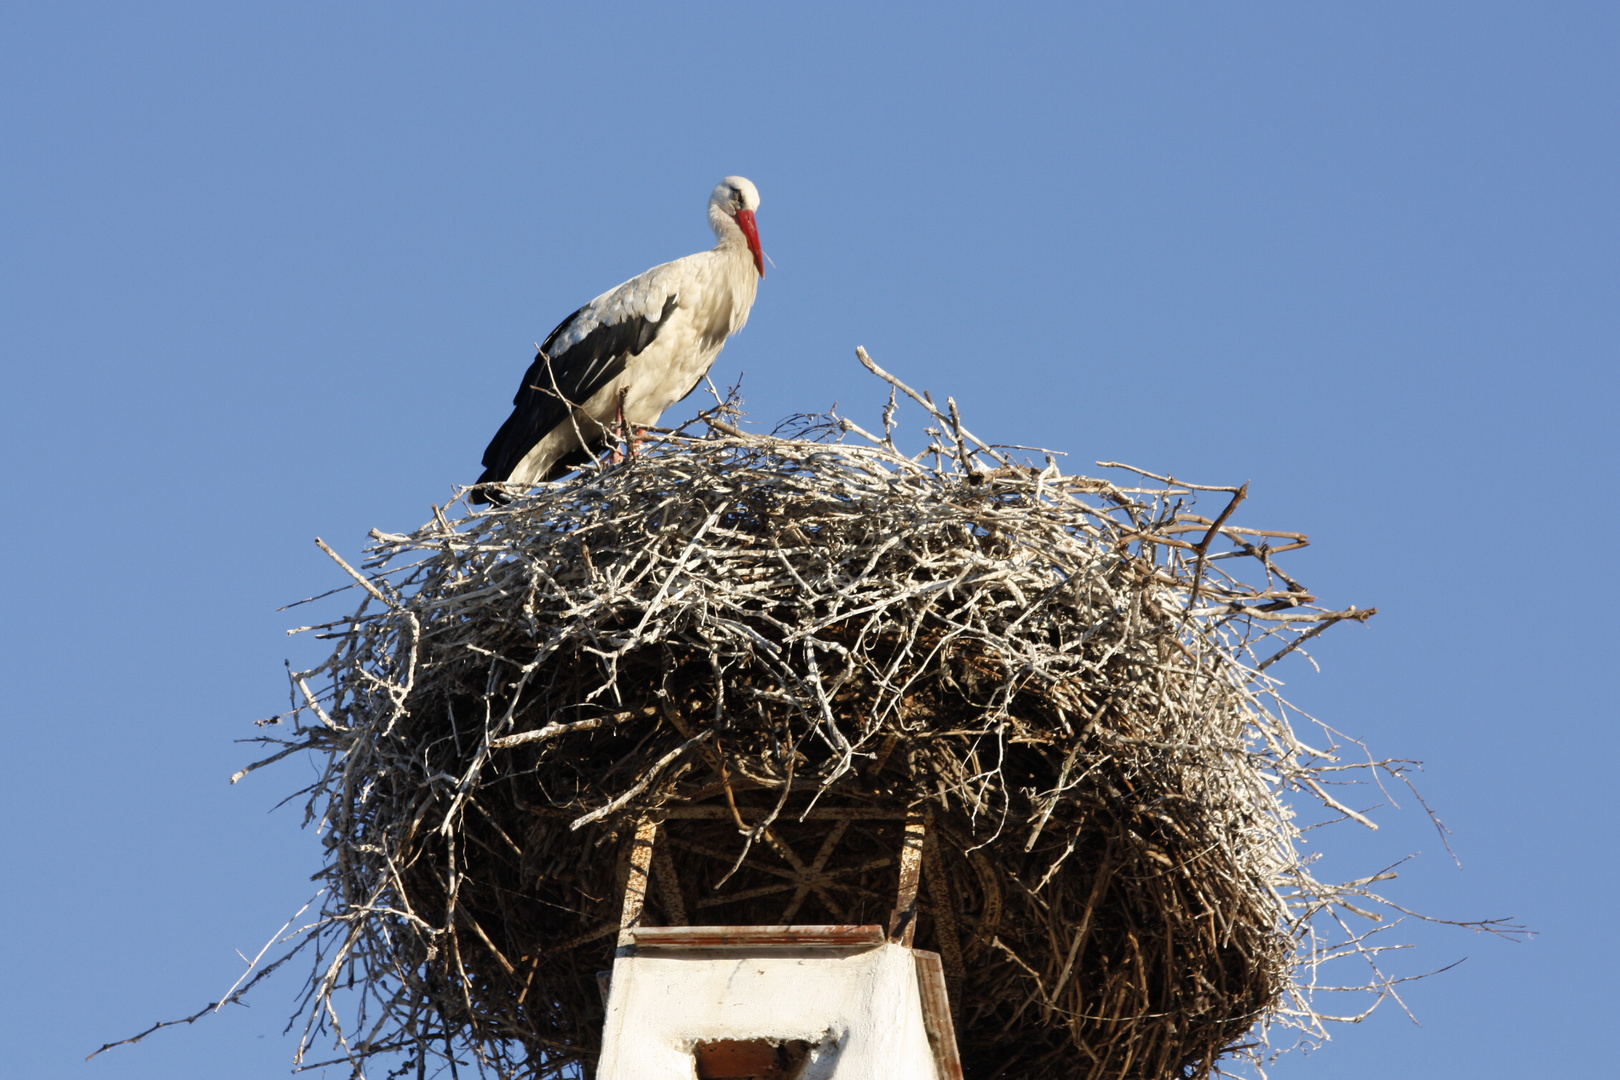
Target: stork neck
<point>726,230</point>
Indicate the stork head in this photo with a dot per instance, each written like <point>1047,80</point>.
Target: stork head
<point>735,199</point>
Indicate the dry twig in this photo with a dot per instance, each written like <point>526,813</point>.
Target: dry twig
<point>762,624</point>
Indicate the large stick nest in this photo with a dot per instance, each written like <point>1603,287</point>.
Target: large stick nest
<point>803,631</point>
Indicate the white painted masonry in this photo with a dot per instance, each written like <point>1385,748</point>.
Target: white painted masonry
<point>859,1007</point>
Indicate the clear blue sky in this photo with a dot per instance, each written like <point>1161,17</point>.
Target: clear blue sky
<point>269,272</point>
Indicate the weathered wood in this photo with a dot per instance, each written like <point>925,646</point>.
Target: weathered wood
<point>720,937</point>
<point>942,906</point>
<point>669,885</point>
<point>903,921</point>
<point>819,813</point>
<point>635,885</point>
<point>938,1012</point>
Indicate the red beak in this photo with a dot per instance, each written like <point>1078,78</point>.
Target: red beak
<point>745,222</point>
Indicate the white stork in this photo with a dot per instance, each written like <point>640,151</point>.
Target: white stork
<point>631,353</point>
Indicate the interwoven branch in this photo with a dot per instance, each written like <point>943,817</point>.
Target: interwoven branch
<point>1071,671</point>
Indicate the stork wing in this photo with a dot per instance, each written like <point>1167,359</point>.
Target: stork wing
<point>587,351</point>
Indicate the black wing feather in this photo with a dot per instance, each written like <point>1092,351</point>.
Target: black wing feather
<point>555,384</point>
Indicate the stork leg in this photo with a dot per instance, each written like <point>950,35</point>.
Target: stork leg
<point>623,432</point>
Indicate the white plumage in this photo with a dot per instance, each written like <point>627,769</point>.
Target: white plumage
<point>641,347</point>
